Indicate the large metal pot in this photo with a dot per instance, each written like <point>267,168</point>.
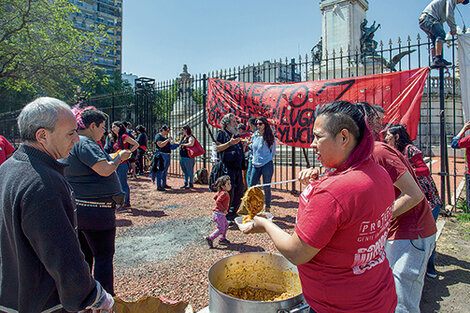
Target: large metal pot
<point>258,270</point>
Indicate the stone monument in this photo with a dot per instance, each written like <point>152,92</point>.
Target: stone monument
<point>341,24</point>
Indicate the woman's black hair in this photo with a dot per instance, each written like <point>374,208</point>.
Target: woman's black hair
<point>187,128</point>
<point>122,130</point>
<point>343,115</point>
<point>141,129</point>
<point>403,136</point>
<point>90,116</point>
<point>268,135</point>
<point>221,181</point>
<point>165,127</point>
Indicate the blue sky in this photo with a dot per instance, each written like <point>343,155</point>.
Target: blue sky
<point>207,35</point>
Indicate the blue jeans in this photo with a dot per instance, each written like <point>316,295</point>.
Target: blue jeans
<point>408,260</point>
<point>161,175</point>
<point>121,172</point>
<point>267,171</point>
<point>433,29</point>
<point>187,165</point>
<point>249,172</point>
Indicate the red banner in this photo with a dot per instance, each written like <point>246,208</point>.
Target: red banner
<point>290,107</point>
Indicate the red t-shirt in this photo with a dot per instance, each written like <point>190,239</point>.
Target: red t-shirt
<point>416,222</point>
<point>5,149</point>
<point>347,215</point>
<point>117,146</point>
<point>465,143</point>
<point>222,201</point>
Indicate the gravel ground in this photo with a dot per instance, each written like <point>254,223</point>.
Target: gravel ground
<point>160,246</point>
<point>161,251</point>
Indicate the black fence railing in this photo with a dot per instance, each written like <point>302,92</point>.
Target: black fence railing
<point>181,101</point>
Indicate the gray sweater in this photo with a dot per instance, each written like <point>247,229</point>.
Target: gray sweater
<point>442,10</point>
<point>42,268</point>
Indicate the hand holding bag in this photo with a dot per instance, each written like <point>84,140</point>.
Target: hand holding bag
<point>196,149</point>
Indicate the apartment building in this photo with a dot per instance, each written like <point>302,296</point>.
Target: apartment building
<point>101,12</point>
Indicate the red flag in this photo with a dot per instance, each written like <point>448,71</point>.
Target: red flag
<point>290,107</point>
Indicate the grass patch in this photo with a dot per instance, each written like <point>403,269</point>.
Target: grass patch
<point>464,222</point>
<point>464,218</point>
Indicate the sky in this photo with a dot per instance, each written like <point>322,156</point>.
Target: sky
<point>208,35</point>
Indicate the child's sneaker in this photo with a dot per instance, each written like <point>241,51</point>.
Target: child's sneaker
<point>209,242</point>
<point>224,241</point>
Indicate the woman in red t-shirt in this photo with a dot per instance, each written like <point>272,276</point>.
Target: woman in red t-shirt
<point>343,220</point>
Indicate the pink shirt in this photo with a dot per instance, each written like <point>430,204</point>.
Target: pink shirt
<point>5,149</point>
<point>347,215</point>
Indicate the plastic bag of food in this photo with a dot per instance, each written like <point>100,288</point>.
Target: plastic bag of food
<point>151,304</point>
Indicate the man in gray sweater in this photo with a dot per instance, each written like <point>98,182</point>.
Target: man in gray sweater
<point>431,22</point>
<point>42,268</point>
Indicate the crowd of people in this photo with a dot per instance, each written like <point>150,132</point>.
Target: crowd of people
<point>366,249</point>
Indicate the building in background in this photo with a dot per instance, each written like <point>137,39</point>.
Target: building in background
<point>102,12</point>
<point>129,77</point>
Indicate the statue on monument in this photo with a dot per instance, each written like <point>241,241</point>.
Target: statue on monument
<point>317,52</point>
<point>368,44</point>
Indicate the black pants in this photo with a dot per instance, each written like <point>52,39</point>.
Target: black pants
<point>98,246</point>
<point>140,160</point>
<point>236,193</point>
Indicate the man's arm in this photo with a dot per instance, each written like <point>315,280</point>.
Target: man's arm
<point>224,146</point>
<point>410,195</point>
<point>450,7</point>
<point>106,168</point>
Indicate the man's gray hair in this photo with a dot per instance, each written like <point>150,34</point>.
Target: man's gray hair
<point>41,113</point>
<point>226,119</point>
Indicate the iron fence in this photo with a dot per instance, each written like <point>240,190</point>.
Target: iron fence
<point>181,101</point>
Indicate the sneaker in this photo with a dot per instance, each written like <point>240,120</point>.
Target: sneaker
<point>122,209</point>
<point>431,272</point>
<point>439,63</point>
<point>166,186</point>
<point>224,241</point>
<point>160,189</point>
<point>209,242</point>
<point>431,275</point>
<point>184,186</point>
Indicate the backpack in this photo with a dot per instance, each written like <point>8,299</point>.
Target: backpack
<point>218,169</point>
<point>201,176</point>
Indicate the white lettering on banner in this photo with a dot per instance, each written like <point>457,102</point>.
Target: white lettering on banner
<point>367,258</point>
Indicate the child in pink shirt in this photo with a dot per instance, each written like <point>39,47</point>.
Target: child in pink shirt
<point>222,201</point>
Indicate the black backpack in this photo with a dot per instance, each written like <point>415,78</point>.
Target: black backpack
<point>218,169</point>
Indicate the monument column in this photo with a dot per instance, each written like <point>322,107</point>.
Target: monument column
<point>341,24</point>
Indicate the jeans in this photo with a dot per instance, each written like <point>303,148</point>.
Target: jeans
<point>267,171</point>
<point>222,226</point>
<point>408,261</point>
<point>433,29</point>
<point>99,246</point>
<point>435,214</point>
<point>187,165</point>
<point>249,172</point>
<point>121,172</point>
<point>161,175</point>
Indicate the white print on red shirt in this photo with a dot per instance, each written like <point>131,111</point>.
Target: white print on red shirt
<point>367,258</point>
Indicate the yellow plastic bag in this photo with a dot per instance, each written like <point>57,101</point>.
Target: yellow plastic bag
<point>151,304</point>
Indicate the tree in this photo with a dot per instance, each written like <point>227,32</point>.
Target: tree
<point>40,51</point>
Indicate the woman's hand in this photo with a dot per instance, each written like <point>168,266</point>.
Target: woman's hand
<point>257,227</point>
<point>125,154</point>
<point>308,175</point>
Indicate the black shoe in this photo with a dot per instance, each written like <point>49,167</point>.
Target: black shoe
<point>184,186</point>
<point>166,186</point>
<point>191,186</point>
<point>439,63</point>
<point>209,242</point>
<point>230,222</point>
<point>160,189</point>
<point>224,242</point>
<point>187,187</point>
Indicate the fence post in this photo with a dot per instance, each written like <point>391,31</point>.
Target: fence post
<point>293,169</point>
<point>443,172</point>
<point>112,107</point>
<point>204,115</point>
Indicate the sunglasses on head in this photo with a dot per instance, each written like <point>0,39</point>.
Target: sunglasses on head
<point>259,124</point>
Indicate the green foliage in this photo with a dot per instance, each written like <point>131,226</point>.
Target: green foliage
<point>100,83</point>
<point>464,218</point>
<point>40,51</point>
<point>462,204</point>
<point>164,102</point>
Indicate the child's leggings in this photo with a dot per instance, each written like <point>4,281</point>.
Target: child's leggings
<point>222,225</point>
